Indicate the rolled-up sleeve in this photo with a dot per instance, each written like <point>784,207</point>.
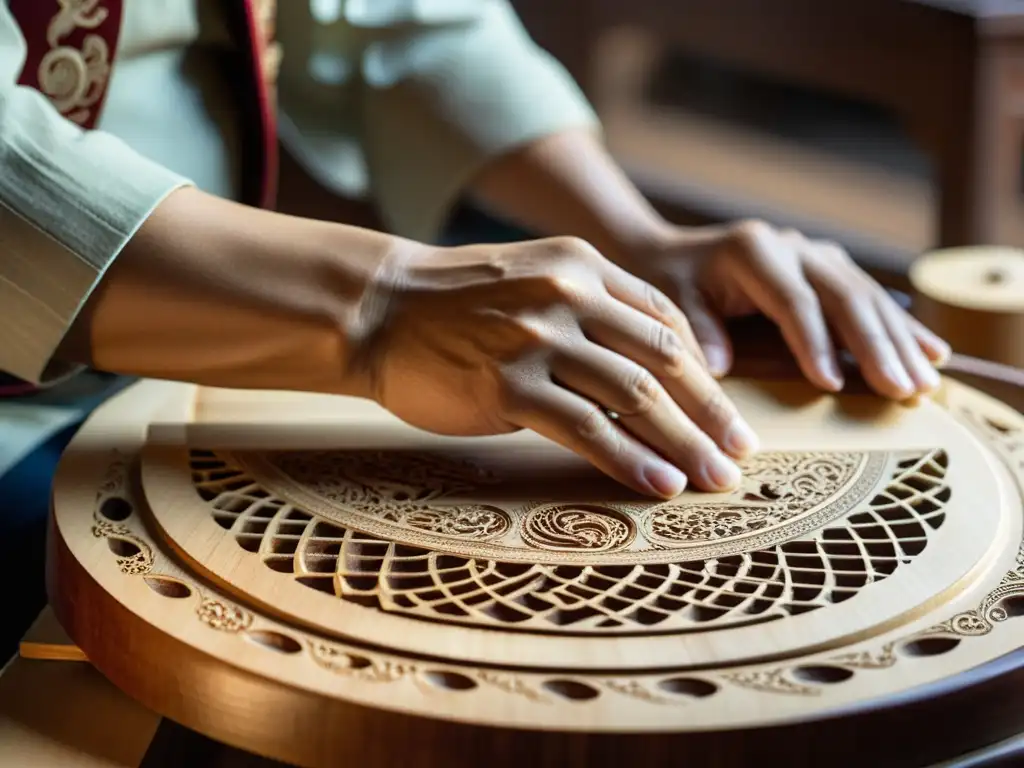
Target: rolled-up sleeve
<point>69,201</point>
<point>441,101</point>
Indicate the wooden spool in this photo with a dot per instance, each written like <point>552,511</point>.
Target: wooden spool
<point>974,299</point>
<point>307,578</point>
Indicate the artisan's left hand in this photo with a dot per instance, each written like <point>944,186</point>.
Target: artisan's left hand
<point>808,288</point>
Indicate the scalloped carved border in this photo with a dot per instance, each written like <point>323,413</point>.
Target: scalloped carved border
<point>134,557</point>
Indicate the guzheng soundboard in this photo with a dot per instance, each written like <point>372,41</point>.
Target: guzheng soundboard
<point>310,579</point>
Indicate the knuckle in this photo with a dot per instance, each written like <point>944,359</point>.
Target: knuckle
<point>669,349</point>
<point>641,393</point>
<point>574,248</point>
<point>718,409</point>
<point>529,333</point>
<point>564,287</point>
<point>593,425</point>
<point>752,230</point>
<point>658,304</point>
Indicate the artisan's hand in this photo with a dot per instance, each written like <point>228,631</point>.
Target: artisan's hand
<point>805,287</point>
<point>549,335</point>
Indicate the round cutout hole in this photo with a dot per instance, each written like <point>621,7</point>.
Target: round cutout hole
<point>168,587</point>
<point>116,509</point>
<point>451,681</point>
<point>572,690</point>
<point>823,674</point>
<point>688,686</point>
<point>1012,607</point>
<point>275,641</point>
<point>930,646</point>
<point>122,547</point>
<point>358,662</point>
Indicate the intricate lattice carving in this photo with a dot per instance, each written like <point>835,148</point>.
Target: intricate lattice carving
<point>1009,444</point>
<point>908,508</point>
<point>827,566</point>
<point>442,503</point>
<point>777,487</point>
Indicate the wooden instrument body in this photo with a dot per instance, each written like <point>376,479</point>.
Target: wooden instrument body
<point>309,579</point>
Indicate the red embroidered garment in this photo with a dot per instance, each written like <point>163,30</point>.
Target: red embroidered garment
<point>72,49</point>
<point>71,46</point>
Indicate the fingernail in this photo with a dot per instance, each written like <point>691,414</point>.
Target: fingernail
<point>664,479</point>
<point>930,377</point>
<point>830,370</point>
<point>943,351</point>
<point>900,378</point>
<point>721,473</point>
<point>740,440</point>
<point>717,362</point>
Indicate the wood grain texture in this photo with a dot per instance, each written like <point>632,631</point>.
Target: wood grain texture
<point>974,298</point>
<point>149,575</point>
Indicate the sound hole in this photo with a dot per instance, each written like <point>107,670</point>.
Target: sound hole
<point>572,690</point>
<point>168,587</point>
<point>823,674</point>
<point>122,547</point>
<point>688,686</point>
<point>116,509</point>
<point>930,646</point>
<point>449,680</point>
<point>275,641</point>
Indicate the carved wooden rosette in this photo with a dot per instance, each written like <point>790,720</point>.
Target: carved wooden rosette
<point>429,585</point>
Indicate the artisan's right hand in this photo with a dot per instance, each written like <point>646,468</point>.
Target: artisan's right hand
<point>544,335</point>
<point>551,336</point>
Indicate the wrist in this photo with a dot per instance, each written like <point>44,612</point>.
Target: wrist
<point>224,295</point>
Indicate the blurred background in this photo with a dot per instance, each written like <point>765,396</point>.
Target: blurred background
<point>891,126</point>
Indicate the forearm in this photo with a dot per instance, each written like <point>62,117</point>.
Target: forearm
<point>568,184</point>
<point>219,294</point>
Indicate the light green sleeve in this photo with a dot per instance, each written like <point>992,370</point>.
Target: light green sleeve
<point>69,201</point>
<point>439,102</point>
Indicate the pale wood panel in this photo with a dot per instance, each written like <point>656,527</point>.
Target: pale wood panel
<point>58,715</point>
<point>46,640</point>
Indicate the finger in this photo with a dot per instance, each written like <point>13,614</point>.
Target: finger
<point>708,330</point>
<point>921,371</point>
<point>656,348</point>
<point>583,427</point>
<point>775,284</point>
<point>646,410</point>
<point>853,302</point>
<point>937,350</point>
<point>644,297</point>
<point>857,321</point>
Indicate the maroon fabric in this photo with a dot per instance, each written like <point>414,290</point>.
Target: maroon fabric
<point>257,103</point>
<point>61,38</point>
